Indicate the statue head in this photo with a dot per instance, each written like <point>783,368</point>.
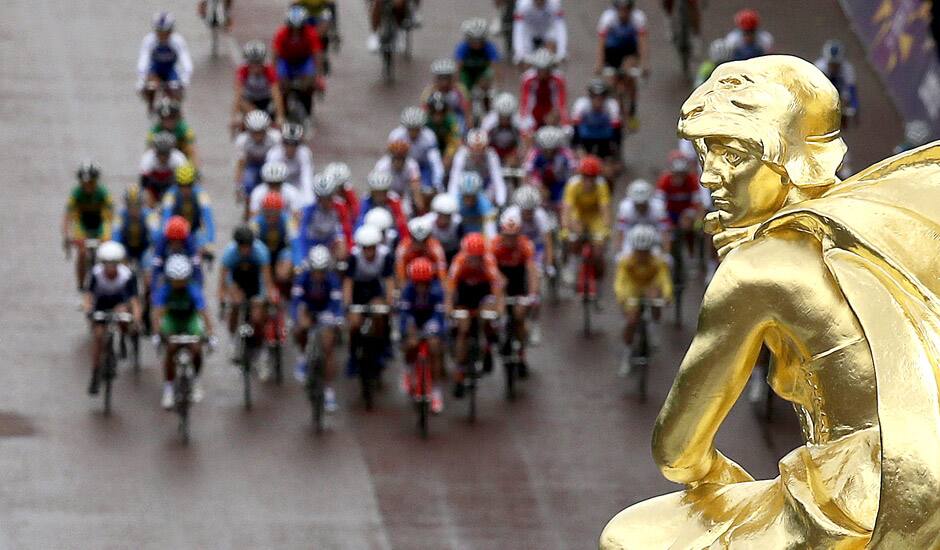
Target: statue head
<point>766,130</point>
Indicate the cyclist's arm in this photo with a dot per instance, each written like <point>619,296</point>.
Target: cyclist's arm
<point>223,278</point>
<point>184,60</point>
<point>437,167</point>
<point>107,214</point>
<point>560,31</point>
<point>520,38</point>
<point>208,221</point>
<point>316,49</point>
<point>599,51</point>
<point>143,59</point>
<point>664,281</point>
<point>158,304</point>
<point>68,219</point>
<point>278,99</point>
<point>604,204</point>
<point>347,291</point>
<point>622,281</point>
<point>532,270</point>
<point>496,175</point>
<point>456,172</point>
<point>643,50</point>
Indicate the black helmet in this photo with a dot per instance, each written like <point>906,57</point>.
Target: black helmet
<point>243,235</point>
<point>293,133</point>
<point>597,86</point>
<point>88,171</point>
<point>168,107</point>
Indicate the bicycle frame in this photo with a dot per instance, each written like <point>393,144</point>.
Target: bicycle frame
<point>421,385</point>
<point>370,347</point>
<point>109,358</point>
<point>183,382</point>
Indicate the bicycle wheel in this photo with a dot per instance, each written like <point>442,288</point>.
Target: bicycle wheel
<point>642,358</point>
<point>135,352</point>
<point>108,375</point>
<point>586,308</point>
<point>510,368</point>
<point>315,394</point>
<point>275,355</point>
<point>182,394</point>
<point>368,370</point>
<point>246,374</point>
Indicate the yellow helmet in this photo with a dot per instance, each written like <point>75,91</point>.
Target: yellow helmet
<point>186,174</point>
<point>132,194</point>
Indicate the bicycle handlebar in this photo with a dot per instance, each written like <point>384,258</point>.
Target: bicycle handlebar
<point>112,316</point>
<point>373,309</point>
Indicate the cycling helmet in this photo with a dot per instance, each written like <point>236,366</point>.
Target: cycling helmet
<point>273,201</point>
<point>367,236</point>
<point>110,251</point>
<point>590,166</point>
<point>542,59</point>
<point>322,185</point>
<point>319,258</point>
<point>718,50</point>
<point>421,270</point>
<point>833,51</point>
<point>471,184</point>
<point>177,228</point>
<point>475,29</point>
<point>168,107</point>
<point>257,121</point>
<point>185,175</point>
<point>527,197</point>
<point>379,218</point>
<point>399,148</point>
<point>916,133</point>
<point>164,142</point>
<point>132,194</point>
<point>413,117</point>
<point>474,244</point>
<point>443,67</point>
<point>296,17</point>
<point>420,229</point>
<point>163,21</point>
<point>642,237</point>
<point>747,20</point>
<point>274,171</point>
<point>178,268</point>
<point>243,235</point>
<point>678,162</point>
<point>640,191</point>
<point>380,181</point>
<point>477,140</point>
<point>437,102</point>
<point>506,104</point>
<point>339,172</point>
<point>510,222</point>
<point>255,51</point>
<point>550,137</point>
<point>597,86</point>
<point>444,204</point>
<point>88,170</point>
<point>292,134</point>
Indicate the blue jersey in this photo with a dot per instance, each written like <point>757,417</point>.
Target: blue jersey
<point>245,271</point>
<point>424,310</point>
<point>163,59</point>
<point>317,226</point>
<point>596,125</point>
<point>318,296</point>
<point>473,219</point>
<point>134,233</point>
<point>179,302</point>
<point>275,236</point>
<point>194,209</point>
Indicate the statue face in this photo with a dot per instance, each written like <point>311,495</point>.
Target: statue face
<point>744,189</point>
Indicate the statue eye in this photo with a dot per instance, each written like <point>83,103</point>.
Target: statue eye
<point>733,158</point>
<point>731,81</point>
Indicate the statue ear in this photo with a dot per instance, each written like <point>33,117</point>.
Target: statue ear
<point>817,163</point>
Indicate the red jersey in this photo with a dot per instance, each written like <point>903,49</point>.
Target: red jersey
<point>269,74</point>
<point>295,47</point>
<point>463,273</point>
<point>537,98</point>
<point>349,198</point>
<point>346,220</point>
<point>681,197</point>
<point>407,252</point>
<point>517,254</point>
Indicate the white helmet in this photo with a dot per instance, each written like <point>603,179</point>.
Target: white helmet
<point>477,139</point>
<point>444,204</point>
<point>542,59</point>
<point>367,235</point>
<point>413,117</point>
<point>178,267</point>
<point>163,21</point>
<point>833,51</point>
<point>257,121</point>
<point>319,258</point>
<point>379,218</point>
<point>274,171</point>
<point>380,181</point>
<point>643,237</point>
<point>339,171</point>
<point>640,191</point>
<point>443,67</point>
<point>550,137</point>
<point>110,251</point>
<point>475,29</point>
<point>322,185</point>
<point>718,51</point>
<point>505,104</point>
<point>420,229</point>
<point>527,197</point>
<point>916,133</point>
<point>510,221</point>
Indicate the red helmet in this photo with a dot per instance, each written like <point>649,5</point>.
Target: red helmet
<point>590,166</point>
<point>474,244</point>
<point>747,20</point>
<point>273,201</point>
<point>177,228</point>
<point>421,270</point>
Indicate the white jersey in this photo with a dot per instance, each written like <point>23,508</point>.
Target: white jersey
<point>582,106</point>
<point>764,40</point>
<point>184,62</point>
<point>119,289</point>
<point>491,120</point>
<point>300,169</point>
<point>254,152</point>
<point>537,228</point>
<point>449,236</point>
<point>531,23</point>
<point>610,18</point>
<point>490,170</point>
<point>293,199</point>
<point>150,163</point>
<point>628,216</point>
<point>424,151</point>
<point>401,181</point>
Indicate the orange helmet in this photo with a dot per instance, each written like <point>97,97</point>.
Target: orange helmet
<point>747,20</point>
<point>474,244</point>
<point>421,270</point>
<point>273,201</point>
<point>177,228</point>
<point>399,148</point>
<point>590,166</point>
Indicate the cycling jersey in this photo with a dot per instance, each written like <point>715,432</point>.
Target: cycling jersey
<point>408,251</point>
<point>552,173</point>
<point>449,236</point>
<point>296,47</point>
<point>318,225</point>
<point>474,62</point>
<point>422,310</point>
<point>368,276</point>
<point>157,177</point>
<point>401,179</point>
<point>276,235</point>
<point>109,292</point>
<point>635,279</point>
<point>513,257</point>
<point>447,132</point>
<point>195,209</point>
<point>392,204</point>
<point>506,139</point>
<point>480,217</point>
<point>471,284</point>
<point>300,169</point>
<point>168,60</point>
<point>136,233</point>
<point>255,152</point>
<point>181,131</point>
<point>181,308</point>
<point>595,125</point>
<point>533,27</point>
<point>538,97</point>
<point>91,212</point>
<point>256,86</point>
<point>425,152</point>
<point>163,249</point>
<point>536,227</point>
<point>680,196</point>
<point>621,38</point>
<point>843,78</point>
<point>762,44</point>
<point>293,200</point>
<point>246,270</point>
<point>322,297</point>
<point>629,215</point>
<point>487,166</point>
<point>587,207</point>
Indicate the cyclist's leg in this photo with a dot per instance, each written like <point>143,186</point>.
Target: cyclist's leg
<point>194,328</point>
<point>328,342</point>
<point>437,357</point>
<point>98,331</point>
<point>460,345</point>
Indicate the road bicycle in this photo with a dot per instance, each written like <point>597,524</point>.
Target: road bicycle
<point>109,359</point>
<point>371,343</point>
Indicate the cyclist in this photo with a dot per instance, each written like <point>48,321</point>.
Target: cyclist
<point>550,164</point>
<point>299,54</point>
<point>538,24</point>
<point>135,226</point>
<point>641,206</point>
<point>916,134</point>
<point>87,216</point>
<point>176,240</point>
<point>277,230</point>
<point>245,278</point>
<point>317,301</point>
<point>543,95</point>
<point>454,93</point>
<point>423,146</point>
<point>252,148</point>
<point>320,223</point>
<point>406,175</point>
<point>444,124</point>
<point>421,315</point>
<point>596,122</point>
<point>256,86</point>
<point>841,73</point>
<point>380,196</point>
<point>585,214</point>
<point>405,16</point>
<point>681,189</point>
<point>507,132</point>
<point>420,243</point>
<point>748,39</point>
<point>111,286</point>
<point>164,60</point>
<point>623,46</point>
<point>641,274</point>
<point>446,227</point>
<point>188,199</point>
<point>474,283</point>
<point>180,308</point>
<point>368,279</point>
<point>535,223</point>
<point>475,55</point>
<point>718,53</point>
<point>477,213</point>
<point>158,166</point>
<point>694,18</point>
<point>478,157</point>
<point>273,174</point>
<point>343,191</point>
<point>321,15</point>
<point>170,119</point>
<point>297,158</point>
<point>516,260</point>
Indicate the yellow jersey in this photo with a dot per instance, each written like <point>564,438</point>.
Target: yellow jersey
<point>635,279</point>
<point>587,206</point>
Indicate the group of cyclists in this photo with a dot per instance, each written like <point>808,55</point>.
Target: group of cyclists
<point>481,196</point>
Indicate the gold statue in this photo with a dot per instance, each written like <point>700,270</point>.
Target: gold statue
<point>840,280</point>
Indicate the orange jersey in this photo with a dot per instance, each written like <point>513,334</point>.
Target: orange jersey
<point>407,252</point>
<point>515,254</point>
<point>463,273</point>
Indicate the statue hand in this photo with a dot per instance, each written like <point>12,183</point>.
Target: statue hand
<point>724,471</point>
